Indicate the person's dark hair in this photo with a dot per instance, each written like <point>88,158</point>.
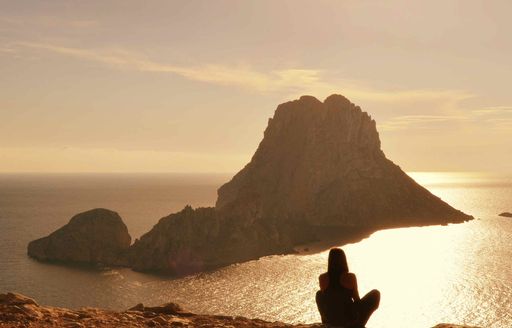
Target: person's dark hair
<point>337,264</point>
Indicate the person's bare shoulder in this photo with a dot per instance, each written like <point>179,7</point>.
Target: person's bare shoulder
<point>323,279</point>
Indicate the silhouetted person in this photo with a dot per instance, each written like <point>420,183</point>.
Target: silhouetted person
<point>338,298</point>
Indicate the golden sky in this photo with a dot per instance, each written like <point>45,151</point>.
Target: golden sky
<point>188,86</point>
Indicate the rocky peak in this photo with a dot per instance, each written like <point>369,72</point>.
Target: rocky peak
<point>321,163</point>
<point>306,145</point>
<point>320,124</point>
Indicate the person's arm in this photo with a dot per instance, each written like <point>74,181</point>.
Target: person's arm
<point>349,281</point>
<point>323,280</point>
<point>355,291</point>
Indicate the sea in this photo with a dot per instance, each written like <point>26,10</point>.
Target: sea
<point>456,273</point>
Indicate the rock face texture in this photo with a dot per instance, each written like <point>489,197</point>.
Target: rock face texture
<point>194,240</point>
<point>321,164</point>
<point>97,236</point>
<point>318,171</point>
<point>20,311</point>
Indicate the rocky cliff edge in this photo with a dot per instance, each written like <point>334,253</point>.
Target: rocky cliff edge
<point>17,310</point>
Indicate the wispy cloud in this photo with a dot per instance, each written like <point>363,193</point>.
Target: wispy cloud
<point>291,80</point>
<point>493,110</point>
<point>217,74</point>
<point>48,21</point>
<point>418,121</point>
<point>7,49</point>
<point>449,96</point>
<point>498,117</point>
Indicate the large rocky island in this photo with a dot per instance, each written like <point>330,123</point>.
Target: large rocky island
<point>319,173</point>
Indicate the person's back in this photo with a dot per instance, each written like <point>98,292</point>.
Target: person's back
<point>336,301</point>
<point>338,298</point>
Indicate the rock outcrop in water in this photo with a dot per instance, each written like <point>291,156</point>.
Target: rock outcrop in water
<point>97,236</point>
<point>319,173</point>
<point>20,311</point>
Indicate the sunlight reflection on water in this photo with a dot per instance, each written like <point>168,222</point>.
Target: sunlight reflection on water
<point>426,275</point>
<point>456,273</point>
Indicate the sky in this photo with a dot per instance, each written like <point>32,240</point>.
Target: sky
<point>188,86</point>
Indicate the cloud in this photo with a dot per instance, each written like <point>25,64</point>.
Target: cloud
<point>217,74</point>
<point>499,117</point>
<point>493,110</point>
<point>7,49</point>
<point>48,22</point>
<point>418,121</point>
<point>451,96</point>
<point>292,80</point>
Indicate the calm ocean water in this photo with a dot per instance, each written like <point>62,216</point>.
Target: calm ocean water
<point>457,273</point>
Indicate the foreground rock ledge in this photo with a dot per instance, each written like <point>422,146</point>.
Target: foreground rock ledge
<point>17,310</point>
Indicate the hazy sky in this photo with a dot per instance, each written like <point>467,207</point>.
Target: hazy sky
<point>189,85</point>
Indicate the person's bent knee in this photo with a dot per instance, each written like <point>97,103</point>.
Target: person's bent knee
<point>320,303</point>
<point>376,297</point>
<point>319,297</point>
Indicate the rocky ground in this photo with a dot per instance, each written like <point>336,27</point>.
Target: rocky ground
<point>20,311</point>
